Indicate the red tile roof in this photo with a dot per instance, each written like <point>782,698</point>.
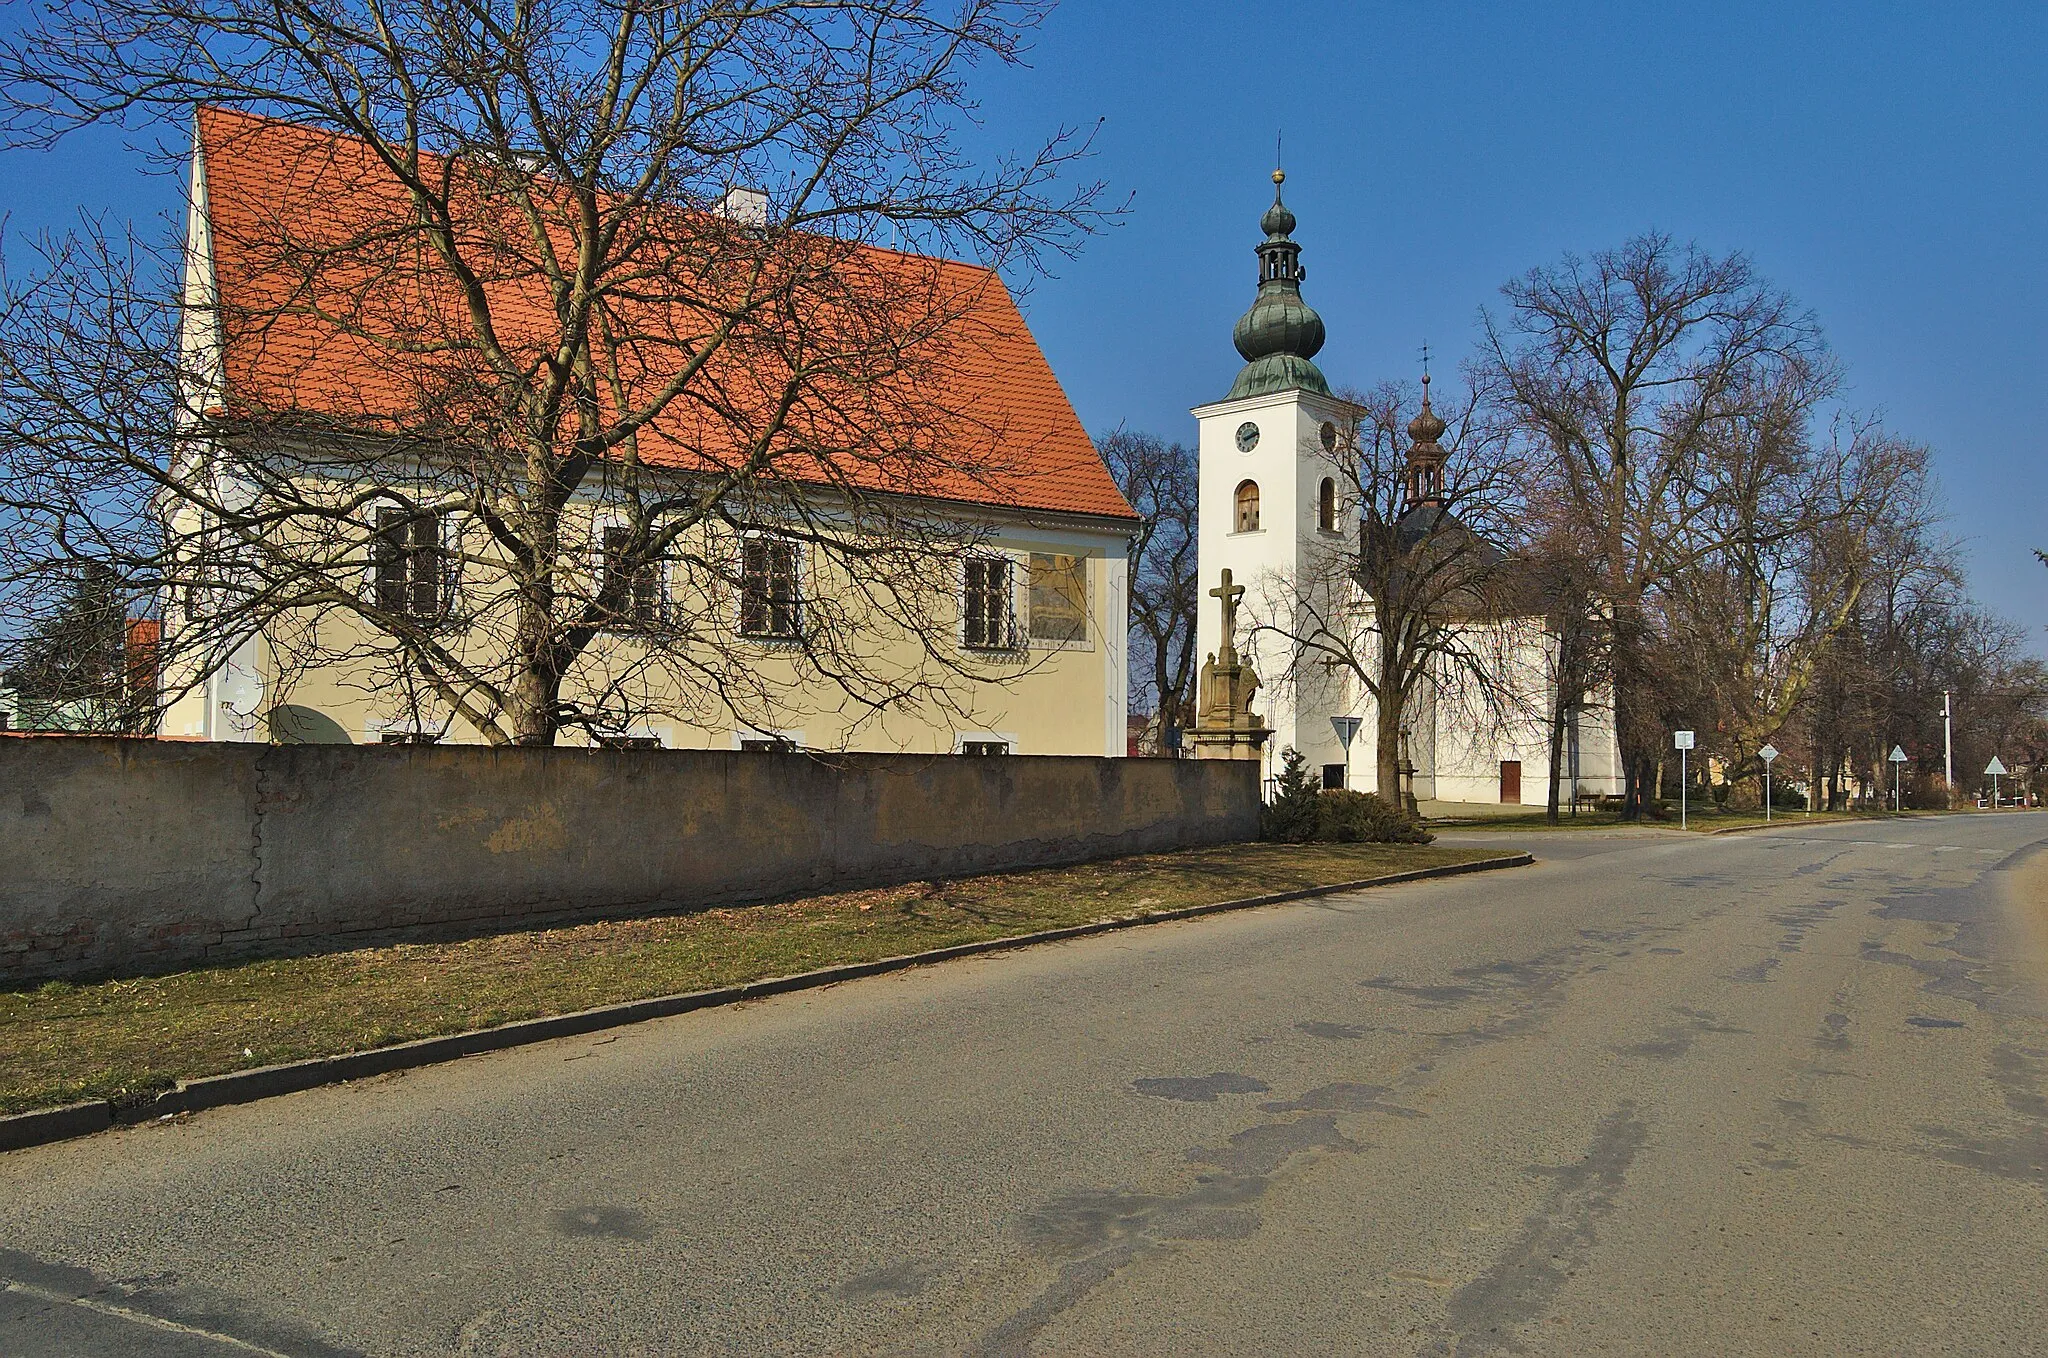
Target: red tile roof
<point>321,270</point>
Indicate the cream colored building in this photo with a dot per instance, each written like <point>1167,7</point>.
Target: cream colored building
<point>1026,612</point>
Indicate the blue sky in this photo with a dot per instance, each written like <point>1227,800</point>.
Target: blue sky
<point>1882,162</point>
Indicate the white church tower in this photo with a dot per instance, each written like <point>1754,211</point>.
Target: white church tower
<point>1273,504</point>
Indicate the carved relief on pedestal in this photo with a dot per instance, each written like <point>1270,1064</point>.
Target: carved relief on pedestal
<point>1225,725</point>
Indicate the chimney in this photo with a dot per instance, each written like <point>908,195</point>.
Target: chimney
<point>748,207</point>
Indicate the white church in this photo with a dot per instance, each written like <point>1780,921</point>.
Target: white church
<point>1273,514</point>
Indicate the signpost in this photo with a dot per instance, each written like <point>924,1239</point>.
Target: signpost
<point>1994,769</point>
<point>1347,731</point>
<point>1898,758</point>
<point>1681,741</point>
<point>1948,751</point>
<point>1767,754</point>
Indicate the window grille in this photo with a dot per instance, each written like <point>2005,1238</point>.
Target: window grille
<point>630,594</point>
<point>987,605</point>
<point>984,747</point>
<point>768,588</point>
<point>409,563</point>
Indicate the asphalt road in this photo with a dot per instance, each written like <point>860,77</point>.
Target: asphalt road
<point>1779,1093</point>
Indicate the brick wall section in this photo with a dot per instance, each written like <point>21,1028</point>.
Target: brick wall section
<point>124,856</point>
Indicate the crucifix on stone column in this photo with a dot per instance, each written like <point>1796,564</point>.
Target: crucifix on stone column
<point>1229,594</point>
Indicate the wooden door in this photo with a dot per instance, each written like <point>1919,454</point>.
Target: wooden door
<point>1511,781</point>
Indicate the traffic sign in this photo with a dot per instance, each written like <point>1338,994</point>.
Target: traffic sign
<point>1995,768</point>
<point>1767,753</point>
<point>1897,756</point>
<point>1681,740</point>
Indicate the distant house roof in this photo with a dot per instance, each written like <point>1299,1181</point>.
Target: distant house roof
<point>318,261</point>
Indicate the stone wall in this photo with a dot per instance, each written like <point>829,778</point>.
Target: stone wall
<point>125,856</point>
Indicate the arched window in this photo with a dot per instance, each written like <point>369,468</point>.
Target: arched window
<point>1248,507</point>
<point>1326,506</point>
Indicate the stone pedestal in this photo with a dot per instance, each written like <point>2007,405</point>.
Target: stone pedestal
<point>1225,725</point>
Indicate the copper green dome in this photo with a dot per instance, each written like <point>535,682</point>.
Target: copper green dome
<point>1281,334</point>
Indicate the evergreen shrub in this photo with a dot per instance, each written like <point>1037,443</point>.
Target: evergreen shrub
<point>1301,812</point>
<point>1347,817</point>
<point>1291,817</point>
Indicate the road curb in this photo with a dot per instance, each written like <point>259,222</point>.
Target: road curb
<point>43,1125</point>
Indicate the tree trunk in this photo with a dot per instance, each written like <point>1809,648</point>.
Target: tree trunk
<point>1560,713</point>
<point>532,704</point>
<point>1389,709</point>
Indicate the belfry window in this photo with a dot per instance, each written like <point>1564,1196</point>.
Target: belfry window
<point>1326,505</point>
<point>1247,502</point>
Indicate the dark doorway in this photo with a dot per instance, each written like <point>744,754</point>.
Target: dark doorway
<point>1511,782</point>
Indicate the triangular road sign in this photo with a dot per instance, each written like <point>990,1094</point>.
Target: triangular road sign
<point>1995,767</point>
<point>1898,755</point>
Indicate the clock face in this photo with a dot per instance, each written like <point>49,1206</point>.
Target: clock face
<point>1247,437</point>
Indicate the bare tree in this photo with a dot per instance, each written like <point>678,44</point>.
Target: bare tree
<point>1160,480</point>
<point>1914,639</point>
<point>1671,391</point>
<point>1749,625</point>
<point>503,386</point>
<point>1564,576</point>
<point>1418,595</point>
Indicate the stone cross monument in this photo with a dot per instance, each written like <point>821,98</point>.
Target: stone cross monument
<point>1225,725</point>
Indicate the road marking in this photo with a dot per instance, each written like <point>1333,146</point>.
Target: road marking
<point>137,1317</point>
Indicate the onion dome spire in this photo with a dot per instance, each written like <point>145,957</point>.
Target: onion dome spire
<point>1425,455</point>
<point>1280,334</point>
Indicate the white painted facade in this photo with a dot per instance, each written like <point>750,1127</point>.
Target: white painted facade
<point>1288,463</point>
<point>1283,442</point>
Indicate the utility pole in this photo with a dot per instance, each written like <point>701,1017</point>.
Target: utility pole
<point>1948,749</point>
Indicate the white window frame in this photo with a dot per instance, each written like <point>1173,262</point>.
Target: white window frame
<point>448,525</point>
<point>1020,599</point>
<point>602,522</point>
<point>376,728</point>
<point>638,731</point>
<point>1086,641</point>
<point>800,570</point>
<point>740,735</point>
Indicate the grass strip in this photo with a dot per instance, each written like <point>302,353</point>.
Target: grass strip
<point>128,1039</point>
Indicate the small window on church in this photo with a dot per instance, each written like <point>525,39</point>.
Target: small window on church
<point>1326,506</point>
<point>1248,507</point>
